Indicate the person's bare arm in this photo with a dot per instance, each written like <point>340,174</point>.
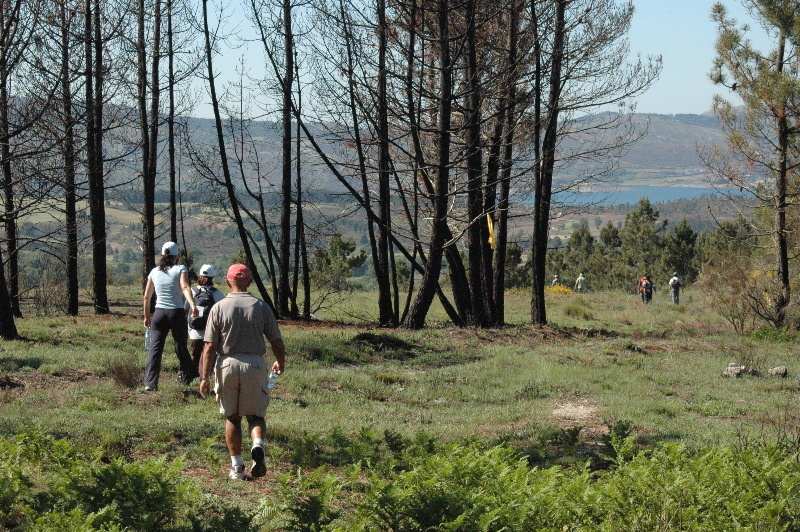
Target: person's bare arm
<point>279,350</point>
<point>148,295</point>
<point>206,367</point>
<point>187,293</point>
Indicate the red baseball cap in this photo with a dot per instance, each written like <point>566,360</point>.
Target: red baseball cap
<point>239,271</point>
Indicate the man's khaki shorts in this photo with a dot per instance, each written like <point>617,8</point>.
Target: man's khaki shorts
<point>241,385</point>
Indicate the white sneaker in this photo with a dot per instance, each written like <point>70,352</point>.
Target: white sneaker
<point>259,468</point>
<point>236,472</point>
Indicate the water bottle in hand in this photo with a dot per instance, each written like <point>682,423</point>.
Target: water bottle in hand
<point>272,379</point>
<point>147,339</point>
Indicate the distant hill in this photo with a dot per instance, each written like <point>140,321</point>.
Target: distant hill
<point>671,141</point>
<point>666,155</point>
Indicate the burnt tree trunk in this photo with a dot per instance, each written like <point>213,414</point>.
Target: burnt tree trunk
<point>430,279</point>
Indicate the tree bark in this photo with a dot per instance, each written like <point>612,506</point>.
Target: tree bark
<point>781,242</point>
<point>508,117</point>
<point>286,186</point>
<point>173,196</point>
<point>544,170</point>
<point>8,22</point>
<point>387,316</point>
<point>8,327</point>
<point>68,156</point>
<point>94,120</point>
<point>477,232</point>
<point>148,178</point>
<point>430,279</point>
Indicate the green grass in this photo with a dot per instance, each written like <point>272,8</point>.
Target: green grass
<point>657,367</point>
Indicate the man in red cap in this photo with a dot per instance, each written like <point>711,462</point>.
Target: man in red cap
<point>234,337</point>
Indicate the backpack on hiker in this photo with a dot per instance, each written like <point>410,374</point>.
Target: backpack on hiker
<point>204,299</point>
<point>645,286</point>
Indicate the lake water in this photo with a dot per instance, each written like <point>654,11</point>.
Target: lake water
<point>632,195</point>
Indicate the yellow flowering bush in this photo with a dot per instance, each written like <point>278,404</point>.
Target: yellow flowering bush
<point>558,289</point>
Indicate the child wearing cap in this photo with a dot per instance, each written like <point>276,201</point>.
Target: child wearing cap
<point>205,295</point>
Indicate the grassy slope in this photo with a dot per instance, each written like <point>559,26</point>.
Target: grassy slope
<point>605,358</point>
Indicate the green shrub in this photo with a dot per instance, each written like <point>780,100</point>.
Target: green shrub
<point>73,492</point>
<point>619,443</point>
<point>14,495</point>
<point>75,521</point>
<point>309,503</point>
<point>306,450</point>
<point>472,488</point>
<point>463,488</point>
<point>711,489</point>
<point>365,447</point>
<point>577,311</point>
<point>771,334</point>
<point>146,495</point>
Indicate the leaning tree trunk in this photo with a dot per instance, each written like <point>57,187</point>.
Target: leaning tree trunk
<point>234,202</point>
<point>359,146</point>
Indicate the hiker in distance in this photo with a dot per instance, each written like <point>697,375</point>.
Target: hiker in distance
<point>170,283</point>
<point>580,283</point>
<point>675,285</point>
<point>646,288</point>
<point>235,350</point>
<point>205,297</point>
<point>555,281</point>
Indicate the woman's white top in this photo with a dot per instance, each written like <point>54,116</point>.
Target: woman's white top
<point>168,286</point>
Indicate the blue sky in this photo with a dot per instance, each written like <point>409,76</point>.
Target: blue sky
<point>682,32</point>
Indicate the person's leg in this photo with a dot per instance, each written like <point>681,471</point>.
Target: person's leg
<point>180,334</point>
<point>233,439</point>
<point>258,427</point>
<point>253,402</point>
<point>258,452</point>
<point>233,434</point>
<point>159,327</point>
<point>195,353</point>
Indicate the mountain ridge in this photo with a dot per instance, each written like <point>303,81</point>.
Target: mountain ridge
<point>665,156</point>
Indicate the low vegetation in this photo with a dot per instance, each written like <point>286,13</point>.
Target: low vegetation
<point>569,427</point>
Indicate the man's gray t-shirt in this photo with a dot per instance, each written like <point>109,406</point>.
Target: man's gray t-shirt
<point>238,324</point>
